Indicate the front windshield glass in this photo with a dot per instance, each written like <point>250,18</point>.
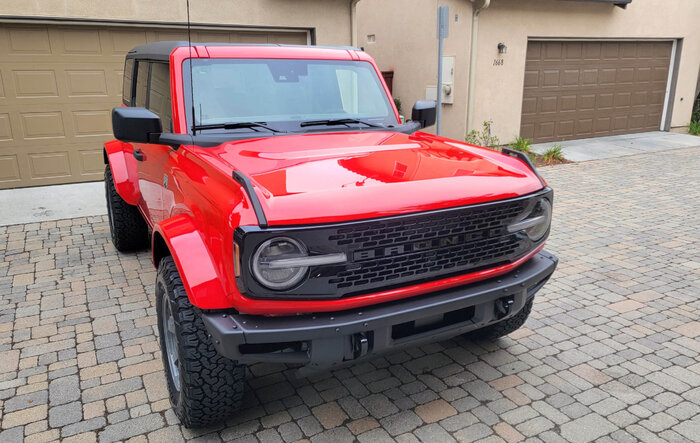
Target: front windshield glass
<point>287,94</point>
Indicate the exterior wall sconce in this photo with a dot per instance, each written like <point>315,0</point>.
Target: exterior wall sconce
<point>502,48</point>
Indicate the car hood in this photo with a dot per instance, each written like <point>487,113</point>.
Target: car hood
<point>322,178</point>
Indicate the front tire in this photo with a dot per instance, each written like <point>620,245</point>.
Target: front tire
<point>504,327</point>
<point>204,387</point>
<point>129,230</point>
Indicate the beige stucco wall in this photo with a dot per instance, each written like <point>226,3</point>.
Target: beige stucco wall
<point>330,18</point>
<point>406,42</point>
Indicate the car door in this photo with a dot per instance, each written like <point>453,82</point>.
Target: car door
<point>153,93</point>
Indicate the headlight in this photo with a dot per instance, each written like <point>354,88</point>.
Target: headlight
<point>536,223</point>
<point>279,278</point>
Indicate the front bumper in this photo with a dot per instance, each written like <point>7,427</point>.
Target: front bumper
<point>328,340</point>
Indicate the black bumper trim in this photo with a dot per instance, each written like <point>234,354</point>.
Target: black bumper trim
<point>330,339</point>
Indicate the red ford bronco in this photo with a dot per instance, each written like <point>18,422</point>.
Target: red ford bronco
<point>294,219</point>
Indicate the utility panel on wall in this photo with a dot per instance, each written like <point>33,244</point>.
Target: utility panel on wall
<point>448,76</point>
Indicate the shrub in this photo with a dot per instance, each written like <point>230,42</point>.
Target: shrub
<point>694,128</point>
<point>397,102</point>
<point>521,144</point>
<point>483,138</point>
<point>553,154</point>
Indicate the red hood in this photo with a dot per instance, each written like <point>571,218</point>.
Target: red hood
<point>317,178</point>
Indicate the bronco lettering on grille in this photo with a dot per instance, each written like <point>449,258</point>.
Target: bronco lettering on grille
<point>435,243</point>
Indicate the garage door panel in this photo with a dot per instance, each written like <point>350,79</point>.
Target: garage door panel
<point>573,51</point>
<point>532,79</point>
<point>611,51</point>
<point>603,125</point>
<point>566,127</point>
<point>35,83</point>
<point>28,41</point>
<point>122,41</point>
<point>589,77</point>
<point>5,127</point>
<point>42,125</point>
<point>50,164</point>
<point>78,41</point>
<point>600,88</point>
<point>58,85</point>
<point>91,123</point>
<point>9,169</point>
<point>91,162</point>
<point>86,83</point>
<point>530,106</point>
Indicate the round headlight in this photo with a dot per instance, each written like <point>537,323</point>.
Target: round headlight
<point>543,211</point>
<point>273,249</point>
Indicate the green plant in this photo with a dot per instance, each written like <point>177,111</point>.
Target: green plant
<point>521,144</point>
<point>696,111</point>
<point>553,154</point>
<point>397,102</point>
<point>483,138</point>
<point>694,128</point>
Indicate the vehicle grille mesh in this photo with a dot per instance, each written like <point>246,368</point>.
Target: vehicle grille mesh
<point>413,248</point>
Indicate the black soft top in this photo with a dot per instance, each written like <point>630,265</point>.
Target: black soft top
<point>162,50</point>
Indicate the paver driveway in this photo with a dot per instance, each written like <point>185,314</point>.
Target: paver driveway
<point>610,351</point>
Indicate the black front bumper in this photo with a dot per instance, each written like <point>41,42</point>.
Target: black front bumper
<point>327,340</point>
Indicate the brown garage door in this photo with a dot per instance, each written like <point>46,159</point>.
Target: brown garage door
<point>582,89</point>
<point>58,86</point>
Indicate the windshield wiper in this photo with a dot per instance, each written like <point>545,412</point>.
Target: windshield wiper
<point>337,121</point>
<point>251,125</point>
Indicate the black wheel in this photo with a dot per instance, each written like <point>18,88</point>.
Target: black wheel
<point>204,387</point>
<point>129,230</point>
<point>504,327</point>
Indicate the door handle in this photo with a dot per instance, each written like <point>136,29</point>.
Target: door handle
<point>138,155</point>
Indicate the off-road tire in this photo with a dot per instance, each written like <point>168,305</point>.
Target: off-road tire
<point>128,228</point>
<point>504,327</point>
<point>211,386</point>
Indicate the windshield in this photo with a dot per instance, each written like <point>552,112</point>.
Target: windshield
<point>288,95</point>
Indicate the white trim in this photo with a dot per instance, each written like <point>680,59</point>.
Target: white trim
<point>601,39</point>
<point>667,98</point>
<point>157,25</point>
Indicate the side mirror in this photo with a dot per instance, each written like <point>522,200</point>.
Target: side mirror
<point>137,125</point>
<point>424,112</point>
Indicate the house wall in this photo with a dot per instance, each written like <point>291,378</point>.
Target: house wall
<point>331,21</point>
<point>406,42</point>
<point>500,88</point>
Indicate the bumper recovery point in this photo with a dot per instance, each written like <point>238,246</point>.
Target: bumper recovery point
<point>328,340</point>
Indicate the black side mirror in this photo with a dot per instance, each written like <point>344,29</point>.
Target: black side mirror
<point>137,125</point>
<point>424,112</point>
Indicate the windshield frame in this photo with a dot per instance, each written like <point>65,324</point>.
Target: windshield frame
<point>391,119</point>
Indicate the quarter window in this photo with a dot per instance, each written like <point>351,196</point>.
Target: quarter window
<point>141,84</point>
<point>128,77</point>
<point>158,99</point>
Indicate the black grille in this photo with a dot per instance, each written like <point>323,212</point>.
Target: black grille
<point>427,245</point>
<point>397,251</point>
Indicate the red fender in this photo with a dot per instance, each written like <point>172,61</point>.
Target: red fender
<point>124,170</point>
<point>194,262</point>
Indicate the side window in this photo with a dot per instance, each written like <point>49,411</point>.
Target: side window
<point>141,84</point>
<point>158,99</point>
<point>127,86</point>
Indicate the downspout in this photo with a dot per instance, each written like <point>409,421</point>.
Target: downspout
<point>472,64</point>
<point>353,23</point>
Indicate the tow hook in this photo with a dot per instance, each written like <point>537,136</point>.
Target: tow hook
<point>360,345</point>
<point>502,306</point>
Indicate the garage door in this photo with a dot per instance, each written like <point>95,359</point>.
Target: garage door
<point>578,89</point>
<point>58,86</point>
